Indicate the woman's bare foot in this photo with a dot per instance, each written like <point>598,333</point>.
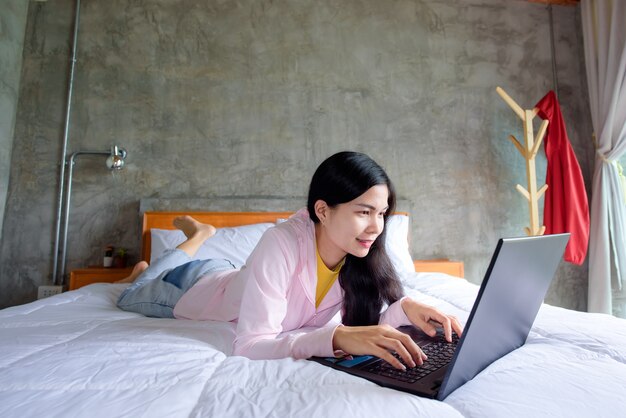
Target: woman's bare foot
<point>194,229</point>
<point>196,233</point>
<point>137,270</point>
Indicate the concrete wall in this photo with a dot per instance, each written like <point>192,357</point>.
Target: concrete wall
<point>232,101</point>
<point>12,26</point>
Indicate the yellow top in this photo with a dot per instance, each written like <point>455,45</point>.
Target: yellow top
<point>325,278</point>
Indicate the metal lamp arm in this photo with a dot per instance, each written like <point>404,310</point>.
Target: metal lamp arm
<point>115,152</point>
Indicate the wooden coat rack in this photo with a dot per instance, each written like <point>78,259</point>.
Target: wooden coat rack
<point>529,152</point>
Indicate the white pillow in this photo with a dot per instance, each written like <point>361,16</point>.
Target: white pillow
<point>397,243</point>
<point>233,244</point>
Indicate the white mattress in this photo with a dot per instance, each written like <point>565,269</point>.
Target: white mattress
<point>76,354</point>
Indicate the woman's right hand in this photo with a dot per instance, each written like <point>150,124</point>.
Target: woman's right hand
<point>379,341</point>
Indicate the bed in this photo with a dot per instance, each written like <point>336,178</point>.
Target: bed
<point>76,354</point>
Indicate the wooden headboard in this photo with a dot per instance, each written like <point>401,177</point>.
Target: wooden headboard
<point>163,220</point>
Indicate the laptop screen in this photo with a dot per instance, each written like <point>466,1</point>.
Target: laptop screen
<point>509,298</point>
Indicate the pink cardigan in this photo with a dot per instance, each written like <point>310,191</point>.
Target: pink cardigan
<point>272,297</point>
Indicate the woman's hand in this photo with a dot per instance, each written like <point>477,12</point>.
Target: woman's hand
<point>379,341</point>
<point>428,319</point>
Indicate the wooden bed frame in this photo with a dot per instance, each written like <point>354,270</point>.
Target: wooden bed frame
<point>163,220</point>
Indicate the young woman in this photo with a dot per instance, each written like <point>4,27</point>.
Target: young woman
<point>326,258</point>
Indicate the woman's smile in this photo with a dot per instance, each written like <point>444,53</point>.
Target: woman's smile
<point>365,243</point>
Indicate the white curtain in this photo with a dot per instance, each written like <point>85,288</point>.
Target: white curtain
<point>604,32</point>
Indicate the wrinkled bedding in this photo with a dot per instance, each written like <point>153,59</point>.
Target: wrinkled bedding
<point>76,354</point>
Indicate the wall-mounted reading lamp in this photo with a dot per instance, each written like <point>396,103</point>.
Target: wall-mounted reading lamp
<point>114,161</point>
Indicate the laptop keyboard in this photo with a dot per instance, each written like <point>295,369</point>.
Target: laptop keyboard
<point>439,354</point>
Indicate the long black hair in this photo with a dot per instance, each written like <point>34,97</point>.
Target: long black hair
<point>371,281</point>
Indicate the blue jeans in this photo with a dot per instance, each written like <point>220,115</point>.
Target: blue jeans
<point>157,290</point>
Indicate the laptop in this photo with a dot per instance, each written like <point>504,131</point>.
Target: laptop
<point>509,298</point>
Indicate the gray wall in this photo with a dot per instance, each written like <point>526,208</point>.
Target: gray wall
<point>12,25</point>
<point>232,101</point>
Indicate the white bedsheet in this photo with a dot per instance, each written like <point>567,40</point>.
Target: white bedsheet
<point>76,354</point>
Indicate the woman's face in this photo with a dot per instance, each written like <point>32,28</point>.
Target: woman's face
<point>351,227</point>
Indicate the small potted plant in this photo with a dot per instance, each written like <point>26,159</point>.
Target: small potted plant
<point>108,256</point>
<point>119,260</point>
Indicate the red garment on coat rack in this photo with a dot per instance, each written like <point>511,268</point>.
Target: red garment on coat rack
<point>565,208</point>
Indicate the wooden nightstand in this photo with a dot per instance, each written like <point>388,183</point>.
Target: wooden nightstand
<point>89,275</point>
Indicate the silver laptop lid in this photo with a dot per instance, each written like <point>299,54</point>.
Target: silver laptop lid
<point>509,298</point>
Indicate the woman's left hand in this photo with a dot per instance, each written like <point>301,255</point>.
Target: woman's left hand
<point>428,319</point>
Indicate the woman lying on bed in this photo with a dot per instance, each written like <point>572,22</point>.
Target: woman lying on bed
<point>329,256</point>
